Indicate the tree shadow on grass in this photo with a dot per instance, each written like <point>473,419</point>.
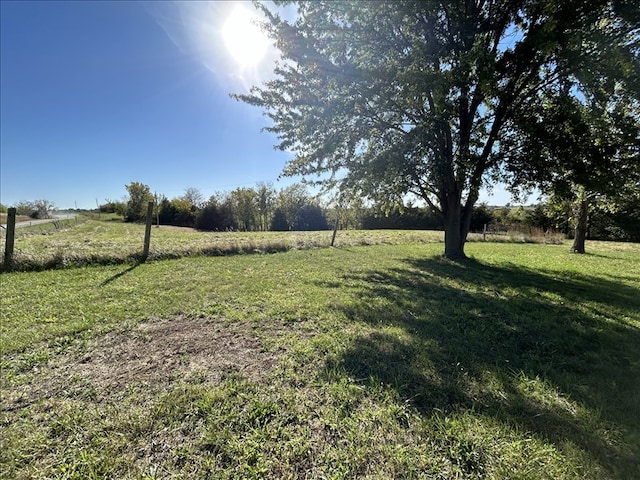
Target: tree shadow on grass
<point>121,274</point>
<point>555,353</point>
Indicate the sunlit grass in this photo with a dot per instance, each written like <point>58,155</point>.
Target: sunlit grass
<point>386,361</point>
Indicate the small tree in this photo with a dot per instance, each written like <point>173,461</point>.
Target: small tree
<point>24,208</point>
<point>194,197</point>
<point>139,196</point>
<point>208,218</point>
<point>265,201</point>
<point>480,217</point>
<point>38,209</point>
<point>178,212</point>
<point>539,217</point>
<point>279,221</point>
<point>311,217</point>
<point>244,205</point>
<point>43,209</point>
<point>581,149</point>
<point>217,215</point>
<point>112,206</point>
<point>290,201</point>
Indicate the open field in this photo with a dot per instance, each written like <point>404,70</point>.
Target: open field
<point>377,361</point>
<point>92,241</point>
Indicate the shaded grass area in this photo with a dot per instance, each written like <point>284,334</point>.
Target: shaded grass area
<point>384,362</point>
<point>529,347</point>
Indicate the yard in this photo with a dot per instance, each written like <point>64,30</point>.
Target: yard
<point>376,359</point>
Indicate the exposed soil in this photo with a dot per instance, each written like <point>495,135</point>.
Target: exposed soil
<point>152,355</point>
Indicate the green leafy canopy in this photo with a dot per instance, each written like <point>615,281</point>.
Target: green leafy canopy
<point>385,99</point>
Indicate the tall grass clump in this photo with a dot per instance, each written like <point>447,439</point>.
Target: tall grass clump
<point>525,235</point>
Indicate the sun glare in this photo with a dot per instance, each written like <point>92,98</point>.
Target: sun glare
<point>246,43</point>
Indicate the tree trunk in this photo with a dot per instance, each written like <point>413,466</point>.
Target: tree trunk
<point>582,209</point>
<point>454,234</point>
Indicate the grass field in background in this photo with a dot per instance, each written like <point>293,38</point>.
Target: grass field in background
<point>379,361</point>
<point>108,240</point>
<point>105,239</point>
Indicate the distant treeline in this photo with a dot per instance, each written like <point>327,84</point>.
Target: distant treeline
<point>263,208</point>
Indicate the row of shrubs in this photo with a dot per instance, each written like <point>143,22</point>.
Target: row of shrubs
<point>220,217</point>
<point>293,208</point>
<point>244,209</point>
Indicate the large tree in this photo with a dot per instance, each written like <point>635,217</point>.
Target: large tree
<point>265,199</point>
<point>244,205</point>
<point>581,141</point>
<point>414,97</point>
<point>582,150</point>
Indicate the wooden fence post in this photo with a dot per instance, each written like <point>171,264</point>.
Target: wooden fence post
<point>157,205</point>
<point>147,232</point>
<point>11,232</point>
<point>335,230</point>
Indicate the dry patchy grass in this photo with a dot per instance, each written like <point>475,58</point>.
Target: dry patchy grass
<point>154,355</point>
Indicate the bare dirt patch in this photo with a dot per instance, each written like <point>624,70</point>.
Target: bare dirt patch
<point>153,355</point>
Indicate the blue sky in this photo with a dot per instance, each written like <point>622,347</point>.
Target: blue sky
<point>95,95</point>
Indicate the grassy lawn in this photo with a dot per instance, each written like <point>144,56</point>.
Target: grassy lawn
<point>376,361</point>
